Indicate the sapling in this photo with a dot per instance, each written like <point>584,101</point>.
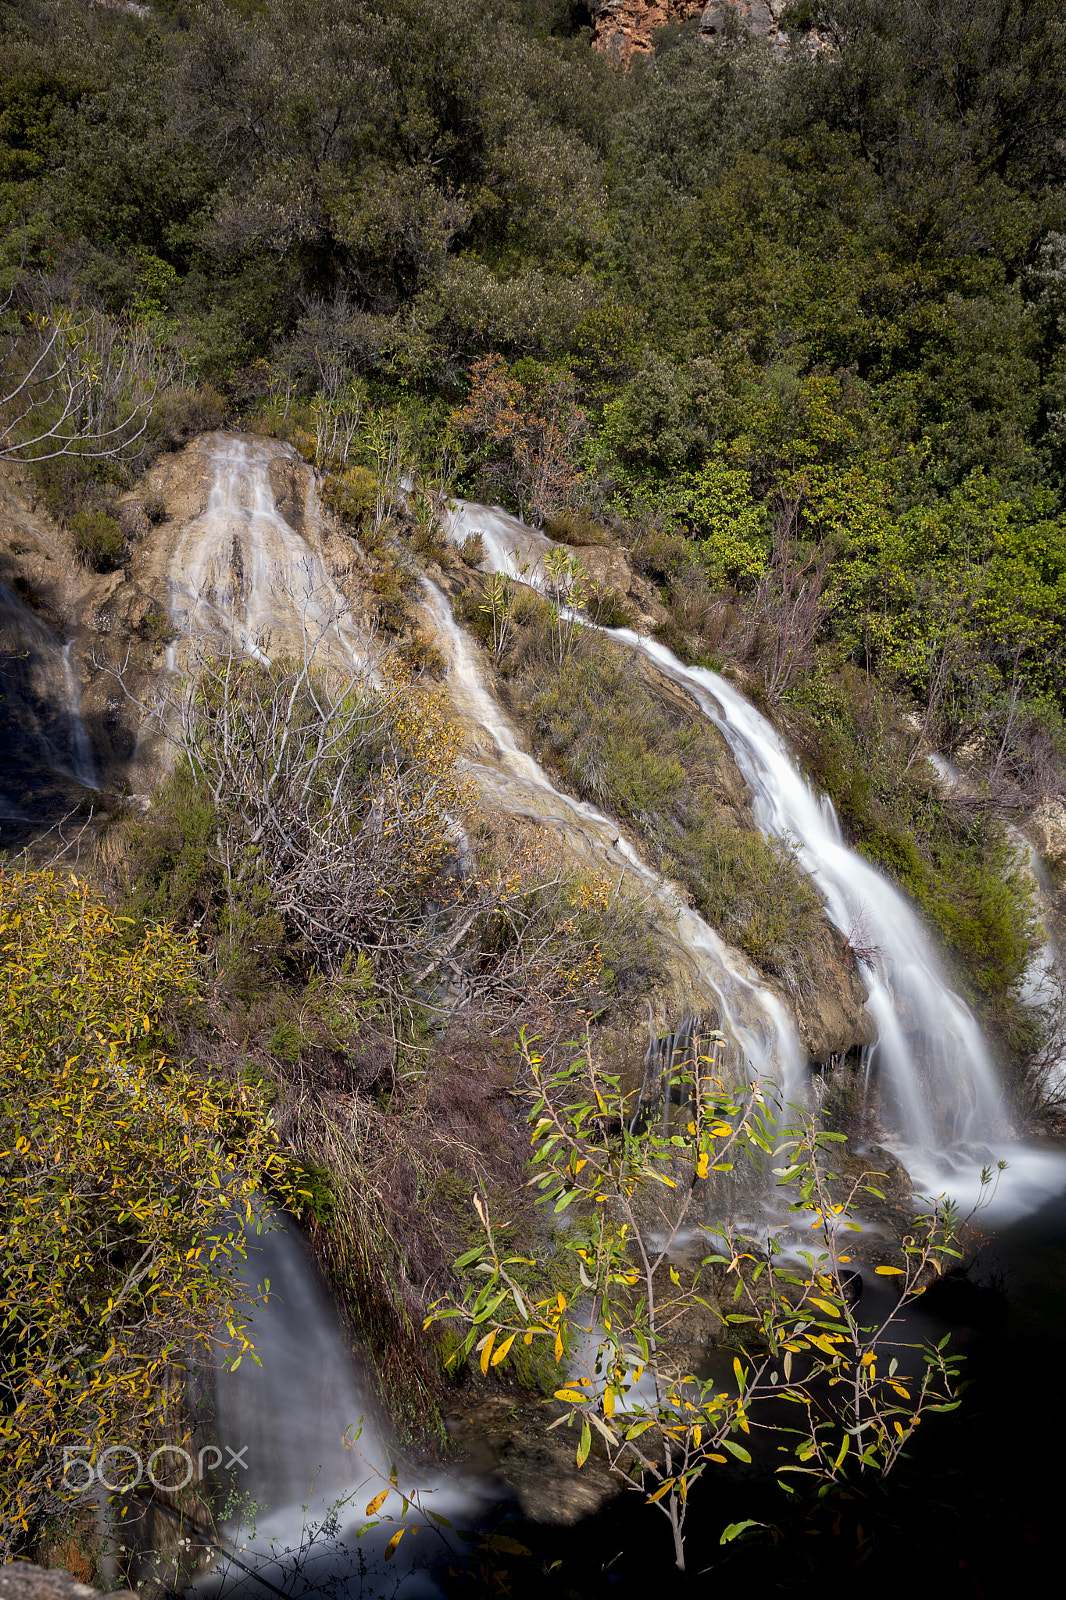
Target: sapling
<point>628,1185</point>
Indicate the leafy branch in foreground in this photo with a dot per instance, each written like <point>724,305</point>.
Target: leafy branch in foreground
<point>631,1191</point>
<point>127,1189</point>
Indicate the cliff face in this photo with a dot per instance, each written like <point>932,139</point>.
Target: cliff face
<point>627,27</point>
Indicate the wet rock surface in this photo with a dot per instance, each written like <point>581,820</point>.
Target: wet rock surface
<point>503,1441</point>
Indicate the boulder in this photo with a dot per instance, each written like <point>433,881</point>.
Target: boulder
<point>21,1580</point>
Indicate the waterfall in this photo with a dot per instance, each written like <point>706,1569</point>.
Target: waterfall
<point>83,764</point>
<point>240,571</point>
<point>310,1457</point>
<point>935,1074</point>
<point>748,1010</point>
<point>936,1080</point>
<point>40,686</point>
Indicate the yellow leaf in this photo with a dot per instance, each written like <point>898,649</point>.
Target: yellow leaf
<point>503,1349</point>
<point>889,1272</point>
<point>571,1396</point>
<point>663,1488</point>
<point>390,1548</point>
<point>377,1503</point>
<point>486,1350</point>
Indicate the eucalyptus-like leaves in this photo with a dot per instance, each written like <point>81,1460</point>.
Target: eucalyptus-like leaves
<point>627,1188</point>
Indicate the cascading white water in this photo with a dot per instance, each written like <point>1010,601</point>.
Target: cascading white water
<point>83,762</point>
<point>749,1011</point>
<point>936,1077</point>
<point>510,546</point>
<point>240,570</point>
<point>47,699</point>
<point>309,1456</point>
<point>937,1082</point>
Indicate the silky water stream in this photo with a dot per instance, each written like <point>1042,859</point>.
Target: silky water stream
<point>930,1069</point>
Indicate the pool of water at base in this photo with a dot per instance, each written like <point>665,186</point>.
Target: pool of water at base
<point>976,1510</point>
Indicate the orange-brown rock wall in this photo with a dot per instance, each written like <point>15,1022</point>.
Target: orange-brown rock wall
<point>627,27</point>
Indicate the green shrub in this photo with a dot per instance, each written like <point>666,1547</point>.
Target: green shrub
<point>156,628</point>
<point>594,719</point>
<point>352,494</point>
<point>422,657</point>
<point>576,528</point>
<point>98,540</point>
<point>955,864</point>
<point>472,550</point>
<point>661,555</point>
<point>391,583</point>
<point>607,608</point>
<point>180,414</point>
<point>315,1191</point>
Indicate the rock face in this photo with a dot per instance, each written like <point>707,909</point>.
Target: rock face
<point>21,1580</point>
<point>1047,828</point>
<point>627,27</point>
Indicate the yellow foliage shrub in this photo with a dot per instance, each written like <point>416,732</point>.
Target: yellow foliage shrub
<point>127,1188</point>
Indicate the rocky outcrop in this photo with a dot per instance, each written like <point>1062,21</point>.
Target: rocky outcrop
<point>21,1580</point>
<point>628,27</point>
<point>1047,829</point>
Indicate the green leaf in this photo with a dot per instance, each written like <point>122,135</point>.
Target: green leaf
<point>737,1450</point>
<point>733,1530</point>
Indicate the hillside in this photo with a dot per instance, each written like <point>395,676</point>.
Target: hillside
<point>519,524</point>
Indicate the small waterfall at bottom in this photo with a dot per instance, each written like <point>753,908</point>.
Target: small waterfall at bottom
<point>310,1458</point>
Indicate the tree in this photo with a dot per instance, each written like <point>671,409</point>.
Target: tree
<point>629,1173</point>
<point>72,385</point>
<point>526,434</point>
<point>128,1188</point>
